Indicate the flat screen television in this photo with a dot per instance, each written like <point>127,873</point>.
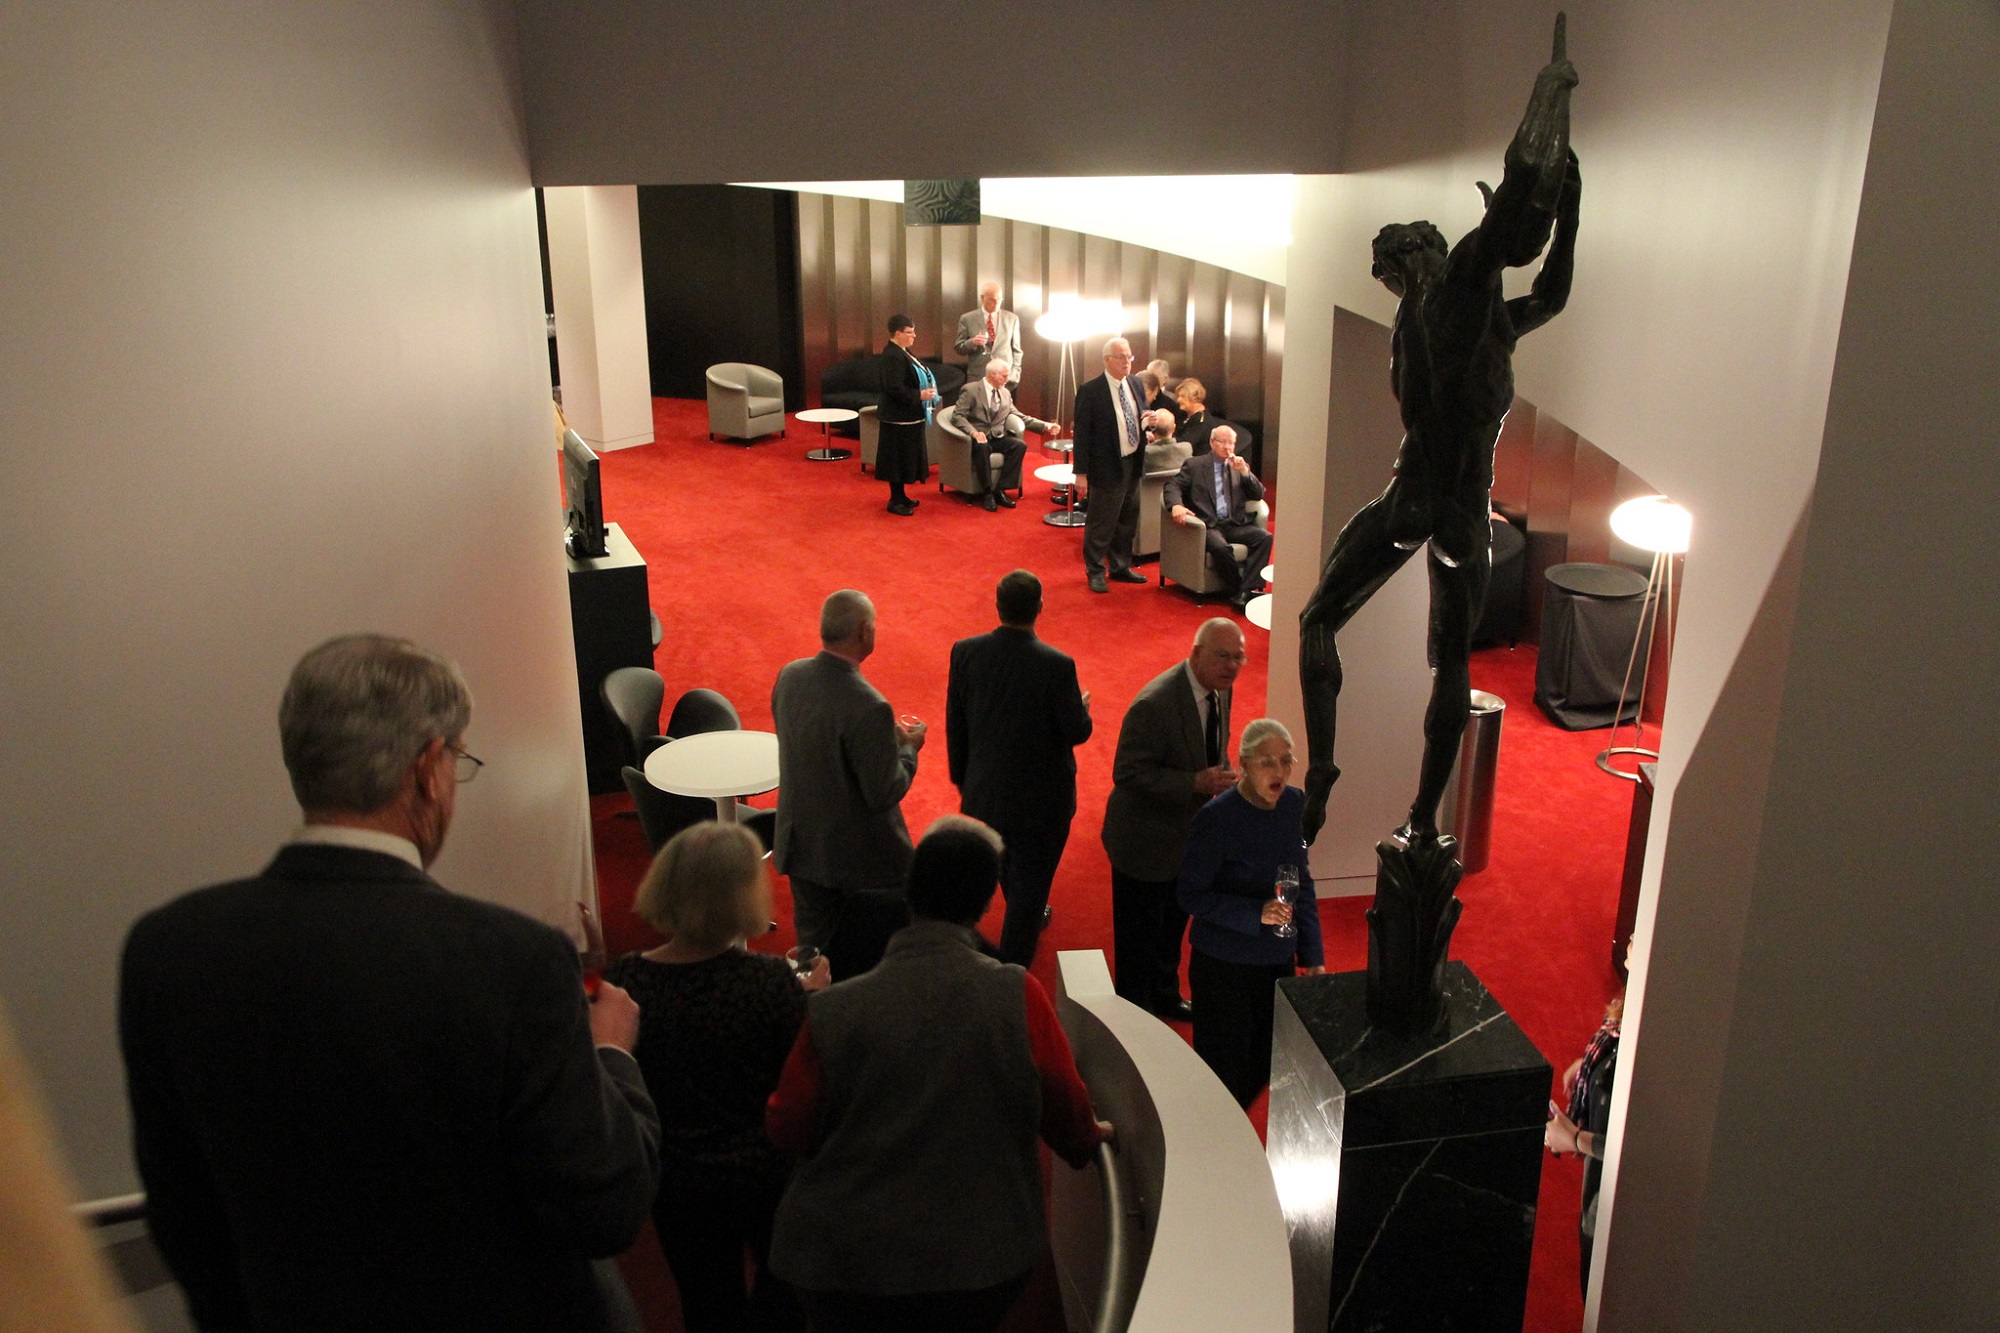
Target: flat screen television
<point>583,499</point>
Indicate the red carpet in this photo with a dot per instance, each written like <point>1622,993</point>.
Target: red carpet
<point>744,542</point>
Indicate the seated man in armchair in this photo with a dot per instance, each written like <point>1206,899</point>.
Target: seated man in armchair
<point>987,413</point>
<point>1217,489</point>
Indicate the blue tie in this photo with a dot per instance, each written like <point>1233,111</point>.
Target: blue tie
<point>1125,406</point>
<point>1222,492</point>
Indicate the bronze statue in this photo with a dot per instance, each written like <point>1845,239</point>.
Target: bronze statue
<point>1451,368</point>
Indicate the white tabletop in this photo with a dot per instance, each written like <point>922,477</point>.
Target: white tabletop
<point>1060,474</point>
<point>827,415</point>
<point>1270,570</point>
<point>1257,611</point>
<point>716,763</point>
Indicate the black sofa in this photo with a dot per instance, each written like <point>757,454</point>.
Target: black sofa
<point>856,383</point>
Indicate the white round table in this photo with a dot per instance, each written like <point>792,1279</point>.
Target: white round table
<point>824,418</point>
<point>1063,477</point>
<point>1258,610</point>
<point>1269,570</point>
<point>722,765</point>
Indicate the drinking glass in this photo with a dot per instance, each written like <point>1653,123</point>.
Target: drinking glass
<point>592,952</point>
<point>1286,890</point>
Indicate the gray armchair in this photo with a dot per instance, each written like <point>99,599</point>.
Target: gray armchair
<point>1162,462</point>
<point>953,453</point>
<point>744,401</point>
<point>871,439</point>
<point>1184,550</point>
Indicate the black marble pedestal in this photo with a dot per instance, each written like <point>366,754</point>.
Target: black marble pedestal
<point>1408,1167</point>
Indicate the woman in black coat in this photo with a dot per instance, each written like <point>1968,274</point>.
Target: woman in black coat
<point>909,396</point>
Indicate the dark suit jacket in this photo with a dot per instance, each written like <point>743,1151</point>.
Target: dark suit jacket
<point>1013,719</point>
<point>1153,800</point>
<point>1096,427</point>
<point>359,1101</point>
<point>1194,486</point>
<point>842,773</point>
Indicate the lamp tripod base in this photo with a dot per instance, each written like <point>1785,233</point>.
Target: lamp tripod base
<point>1604,760</point>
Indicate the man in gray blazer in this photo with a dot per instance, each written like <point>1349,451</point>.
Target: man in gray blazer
<point>987,413</point>
<point>844,762</point>
<point>1173,756</point>
<point>989,332</point>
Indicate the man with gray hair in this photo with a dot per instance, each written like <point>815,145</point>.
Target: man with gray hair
<point>1109,458</point>
<point>359,1101</point>
<point>1215,491</point>
<point>844,762</point>
<point>989,332</point>
<point>986,412</point>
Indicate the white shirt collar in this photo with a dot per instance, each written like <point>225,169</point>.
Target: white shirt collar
<point>363,839</point>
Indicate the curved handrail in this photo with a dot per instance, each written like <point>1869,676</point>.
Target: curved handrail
<point>1114,1305</point>
<point>112,1211</point>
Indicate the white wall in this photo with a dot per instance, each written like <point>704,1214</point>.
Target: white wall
<point>1241,223</point>
<point>597,277</point>
<point>275,369</point>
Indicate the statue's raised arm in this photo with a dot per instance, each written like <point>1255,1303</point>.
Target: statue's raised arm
<point>1540,181</point>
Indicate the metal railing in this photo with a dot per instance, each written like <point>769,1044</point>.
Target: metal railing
<point>1114,1303</point>
<point>112,1211</point>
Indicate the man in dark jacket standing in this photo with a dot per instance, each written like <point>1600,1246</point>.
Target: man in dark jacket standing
<point>1013,719</point>
<point>358,1100</point>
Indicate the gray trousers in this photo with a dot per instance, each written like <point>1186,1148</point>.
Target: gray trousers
<point>1112,524</point>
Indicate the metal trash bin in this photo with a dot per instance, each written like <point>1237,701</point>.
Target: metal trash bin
<point>1466,810</point>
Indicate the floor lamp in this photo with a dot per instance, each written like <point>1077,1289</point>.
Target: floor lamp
<point>1656,524</point>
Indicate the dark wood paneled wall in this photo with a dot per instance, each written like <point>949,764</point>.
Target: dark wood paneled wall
<point>1566,487</point>
<point>858,264</point>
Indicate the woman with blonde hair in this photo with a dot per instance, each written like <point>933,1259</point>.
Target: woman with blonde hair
<point>715,1024</point>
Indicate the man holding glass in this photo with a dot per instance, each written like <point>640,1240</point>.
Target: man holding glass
<point>358,1100</point>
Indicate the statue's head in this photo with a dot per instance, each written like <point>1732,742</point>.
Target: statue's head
<point>1405,251</point>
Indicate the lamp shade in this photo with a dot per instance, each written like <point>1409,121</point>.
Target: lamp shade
<point>1653,523</point>
<point>1071,320</point>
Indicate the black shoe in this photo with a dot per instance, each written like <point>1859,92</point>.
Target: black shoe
<point>988,503</point>
<point>902,508</point>
<point>1127,576</point>
<point>1006,501</point>
<point>1175,1010</point>
<point>1097,583</point>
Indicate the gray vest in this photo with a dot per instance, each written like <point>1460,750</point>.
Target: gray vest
<point>928,1172</point>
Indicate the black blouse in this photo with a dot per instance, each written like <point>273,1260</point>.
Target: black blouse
<point>712,1037</point>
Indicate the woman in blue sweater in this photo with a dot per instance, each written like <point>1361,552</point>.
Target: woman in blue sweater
<point>1239,939</point>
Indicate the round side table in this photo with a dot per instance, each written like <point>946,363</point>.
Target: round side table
<point>824,418</point>
<point>1062,476</point>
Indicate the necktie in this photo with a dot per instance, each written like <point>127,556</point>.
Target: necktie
<point>1214,730</point>
<point>991,334</point>
<point>1131,421</point>
<point>1222,493</point>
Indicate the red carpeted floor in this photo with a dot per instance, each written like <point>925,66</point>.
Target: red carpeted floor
<point>744,542</point>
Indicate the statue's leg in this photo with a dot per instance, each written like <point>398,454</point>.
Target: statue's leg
<point>1362,559</point>
<point>1457,593</point>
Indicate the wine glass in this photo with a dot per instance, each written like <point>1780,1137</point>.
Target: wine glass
<point>1286,891</point>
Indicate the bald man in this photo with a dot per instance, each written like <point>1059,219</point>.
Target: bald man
<point>1173,756</point>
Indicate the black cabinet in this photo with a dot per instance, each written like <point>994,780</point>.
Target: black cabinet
<point>611,616</point>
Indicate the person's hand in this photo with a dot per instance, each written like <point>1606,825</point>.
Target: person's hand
<point>1215,781</point>
<point>1559,1135</point>
<point>1313,971</point>
<point>1276,912</point>
<point>927,394</point>
<point>1239,465</point>
<point>1086,701</point>
<point>980,436</point>
<point>1185,516</point>
<point>820,977</point>
<point>1569,1077</point>
<point>614,1018</point>
<point>1082,484</point>
<point>979,339</point>
<point>912,735</point>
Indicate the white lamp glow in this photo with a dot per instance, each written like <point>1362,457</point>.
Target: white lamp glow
<point>1653,523</point>
<point>1656,524</point>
